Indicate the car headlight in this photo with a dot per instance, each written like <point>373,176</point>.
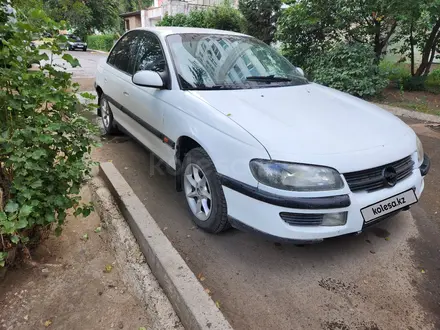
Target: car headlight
<point>295,177</point>
<point>420,152</point>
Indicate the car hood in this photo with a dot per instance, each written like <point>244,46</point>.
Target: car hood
<point>308,119</point>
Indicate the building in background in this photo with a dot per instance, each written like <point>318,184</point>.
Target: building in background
<point>150,16</point>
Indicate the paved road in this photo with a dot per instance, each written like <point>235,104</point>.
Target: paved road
<point>386,278</point>
<point>370,281</point>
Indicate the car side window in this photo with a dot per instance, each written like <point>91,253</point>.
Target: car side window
<point>124,53</point>
<point>150,54</point>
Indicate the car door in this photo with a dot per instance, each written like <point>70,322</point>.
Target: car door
<point>145,103</point>
<point>117,78</point>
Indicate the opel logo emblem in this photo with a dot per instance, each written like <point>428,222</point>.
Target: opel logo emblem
<point>390,176</point>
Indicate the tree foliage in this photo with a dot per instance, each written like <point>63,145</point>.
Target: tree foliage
<point>85,16</point>
<point>44,140</point>
<point>350,67</point>
<point>419,29</point>
<point>261,17</point>
<point>222,17</point>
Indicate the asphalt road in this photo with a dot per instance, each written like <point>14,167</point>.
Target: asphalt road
<point>386,278</point>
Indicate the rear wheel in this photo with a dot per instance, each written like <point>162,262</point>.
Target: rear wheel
<point>204,193</point>
<point>108,122</point>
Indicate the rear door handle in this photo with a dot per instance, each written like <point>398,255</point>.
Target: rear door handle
<point>126,94</point>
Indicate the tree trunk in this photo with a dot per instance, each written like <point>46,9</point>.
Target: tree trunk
<point>411,41</point>
<point>428,49</point>
<point>431,58</point>
<point>377,43</point>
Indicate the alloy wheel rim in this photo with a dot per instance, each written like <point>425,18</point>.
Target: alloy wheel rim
<point>198,192</point>
<point>105,113</point>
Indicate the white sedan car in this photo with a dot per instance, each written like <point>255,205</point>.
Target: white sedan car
<point>253,143</point>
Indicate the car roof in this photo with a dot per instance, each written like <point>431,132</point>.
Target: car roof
<point>167,30</point>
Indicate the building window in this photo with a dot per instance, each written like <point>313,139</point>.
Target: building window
<point>238,71</point>
<point>216,52</point>
<point>223,44</point>
<point>204,47</point>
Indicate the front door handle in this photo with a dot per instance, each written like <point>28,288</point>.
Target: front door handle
<point>126,94</point>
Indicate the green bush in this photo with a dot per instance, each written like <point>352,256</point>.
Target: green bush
<point>222,17</point>
<point>349,67</point>
<point>432,82</point>
<point>44,141</point>
<point>101,42</point>
<point>395,72</point>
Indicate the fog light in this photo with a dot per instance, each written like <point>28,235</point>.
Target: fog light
<point>335,219</point>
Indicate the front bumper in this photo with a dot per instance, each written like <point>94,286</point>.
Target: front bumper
<point>253,210</point>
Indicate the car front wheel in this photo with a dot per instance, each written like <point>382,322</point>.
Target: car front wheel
<point>204,194</point>
<point>108,122</point>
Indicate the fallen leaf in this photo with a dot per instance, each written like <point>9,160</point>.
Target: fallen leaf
<point>110,161</point>
<point>165,228</point>
<point>200,275</point>
<point>142,328</point>
<point>26,317</point>
<point>202,278</point>
<point>85,237</point>
<point>229,115</point>
<point>98,229</point>
<point>423,271</point>
<point>387,238</point>
<point>47,323</point>
<point>217,303</point>
<point>208,291</point>
<point>108,268</point>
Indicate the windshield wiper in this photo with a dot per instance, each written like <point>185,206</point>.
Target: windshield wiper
<point>268,79</point>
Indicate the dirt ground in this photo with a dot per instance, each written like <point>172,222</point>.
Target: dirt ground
<point>420,101</point>
<point>71,287</point>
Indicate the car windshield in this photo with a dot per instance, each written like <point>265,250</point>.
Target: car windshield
<point>206,61</point>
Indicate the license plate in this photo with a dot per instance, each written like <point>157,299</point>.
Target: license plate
<point>389,205</point>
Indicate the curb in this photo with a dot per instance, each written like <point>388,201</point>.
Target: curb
<point>136,273</point>
<point>192,304</point>
<point>98,51</point>
<point>410,114</point>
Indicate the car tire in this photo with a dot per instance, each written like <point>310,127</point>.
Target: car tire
<point>84,49</point>
<point>203,192</point>
<point>108,122</point>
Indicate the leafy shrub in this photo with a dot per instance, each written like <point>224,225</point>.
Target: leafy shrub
<point>101,42</point>
<point>395,72</point>
<point>432,83</point>
<point>222,17</point>
<point>349,67</point>
<point>44,141</point>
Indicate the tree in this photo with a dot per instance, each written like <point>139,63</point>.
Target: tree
<point>321,23</point>
<point>85,16</point>
<point>261,17</point>
<point>222,17</point>
<point>134,5</point>
<point>420,30</point>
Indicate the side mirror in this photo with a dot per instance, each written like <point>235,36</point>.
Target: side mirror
<point>301,71</point>
<point>148,79</point>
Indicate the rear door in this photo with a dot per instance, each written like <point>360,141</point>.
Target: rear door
<point>117,77</point>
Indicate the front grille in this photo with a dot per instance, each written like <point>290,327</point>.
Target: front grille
<point>298,219</point>
<point>372,179</point>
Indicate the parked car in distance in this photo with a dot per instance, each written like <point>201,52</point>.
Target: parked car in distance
<point>74,43</point>
<point>253,143</point>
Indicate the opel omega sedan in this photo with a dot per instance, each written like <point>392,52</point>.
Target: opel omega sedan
<point>253,143</point>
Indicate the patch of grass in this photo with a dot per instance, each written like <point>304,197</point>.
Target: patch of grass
<point>416,106</point>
